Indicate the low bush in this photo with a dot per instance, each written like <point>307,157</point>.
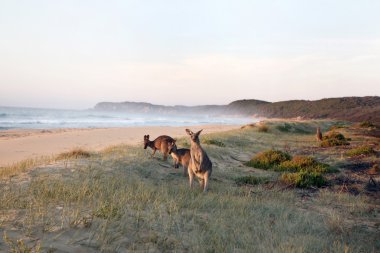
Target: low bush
<point>304,179</point>
<point>333,138</point>
<point>306,163</point>
<point>251,180</point>
<point>366,124</point>
<point>365,150</point>
<point>268,159</point>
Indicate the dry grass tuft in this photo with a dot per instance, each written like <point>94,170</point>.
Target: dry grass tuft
<point>23,166</point>
<point>364,150</point>
<point>263,128</point>
<point>74,154</point>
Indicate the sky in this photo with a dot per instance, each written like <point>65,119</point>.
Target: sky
<point>73,54</point>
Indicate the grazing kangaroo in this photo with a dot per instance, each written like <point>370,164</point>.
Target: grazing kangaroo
<point>160,143</point>
<point>200,164</point>
<point>180,156</point>
<point>319,134</point>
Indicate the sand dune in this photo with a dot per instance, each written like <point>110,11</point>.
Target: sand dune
<point>17,145</point>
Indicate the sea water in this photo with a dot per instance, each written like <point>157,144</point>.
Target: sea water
<point>17,117</point>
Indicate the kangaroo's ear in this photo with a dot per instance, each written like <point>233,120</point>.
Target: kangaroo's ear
<point>147,136</point>
<point>144,137</point>
<point>189,132</point>
<point>198,133</point>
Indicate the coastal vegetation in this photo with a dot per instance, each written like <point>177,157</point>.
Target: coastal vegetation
<point>275,191</point>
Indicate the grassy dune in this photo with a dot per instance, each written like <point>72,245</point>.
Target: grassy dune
<point>122,200</point>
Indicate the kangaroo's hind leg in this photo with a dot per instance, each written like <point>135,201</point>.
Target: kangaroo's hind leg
<point>154,152</point>
<point>206,180</point>
<point>175,160</point>
<point>165,150</point>
<point>191,176</point>
<point>201,183</point>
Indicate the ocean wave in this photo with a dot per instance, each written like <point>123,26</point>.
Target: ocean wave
<point>3,115</point>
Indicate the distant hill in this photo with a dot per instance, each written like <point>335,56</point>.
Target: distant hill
<point>345,108</point>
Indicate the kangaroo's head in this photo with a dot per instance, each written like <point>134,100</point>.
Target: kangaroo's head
<point>146,141</point>
<point>172,147</point>
<point>194,136</point>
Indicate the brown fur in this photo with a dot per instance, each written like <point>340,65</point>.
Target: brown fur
<point>200,164</point>
<point>180,156</point>
<point>319,134</point>
<point>160,144</point>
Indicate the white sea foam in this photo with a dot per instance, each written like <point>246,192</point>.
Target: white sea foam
<point>14,117</point>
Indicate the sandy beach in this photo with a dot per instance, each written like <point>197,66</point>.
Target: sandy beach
<point>20,144</point>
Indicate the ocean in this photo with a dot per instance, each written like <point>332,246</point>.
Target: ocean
<point>35,118</point>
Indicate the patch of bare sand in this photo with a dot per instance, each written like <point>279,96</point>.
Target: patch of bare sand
<point>18,145</point>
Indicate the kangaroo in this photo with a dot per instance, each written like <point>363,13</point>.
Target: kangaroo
<point>319,134</point>
<point>160,143</point>
<point>200,165</point>
<point>180,156</point>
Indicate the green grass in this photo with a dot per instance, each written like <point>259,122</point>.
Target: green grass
<point>122,200</point>
<point>213,142</point>
<point>251,180</point>
<point>295,128</point>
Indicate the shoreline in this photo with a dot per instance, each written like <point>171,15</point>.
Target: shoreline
<point>20,144</point>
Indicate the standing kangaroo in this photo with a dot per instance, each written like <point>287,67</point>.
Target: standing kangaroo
<point>180,156</point>
<point>160,143</point>
<point>319,134</point>
<point>200,164</point>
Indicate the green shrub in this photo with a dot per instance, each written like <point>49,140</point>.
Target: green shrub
<point>251,180</point>
<point>366,124</point>
<point>286,127</point>
<point>305,163</point>
<point>213,142</point>
<point>333,138</point>
<point>304,179</point>
<point>361,150</point>
<point>268,159</point>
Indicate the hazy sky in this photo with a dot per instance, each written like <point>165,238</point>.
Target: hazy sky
<point>73,54</point>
